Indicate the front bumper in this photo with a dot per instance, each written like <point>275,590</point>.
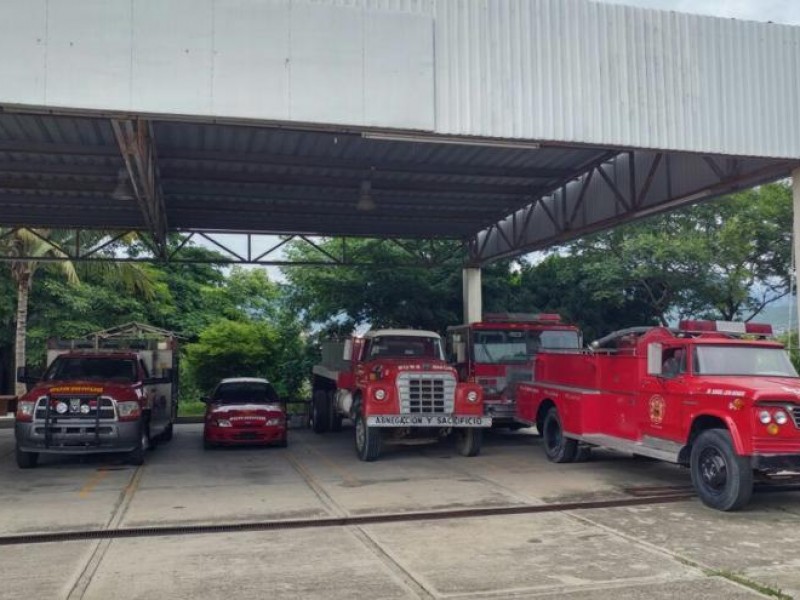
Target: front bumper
<point>244,435</point>
<point>776,462</point>
<point>77,436</point>
<point>500,413</point>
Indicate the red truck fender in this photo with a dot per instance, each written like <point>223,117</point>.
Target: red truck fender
<point>697,422</point>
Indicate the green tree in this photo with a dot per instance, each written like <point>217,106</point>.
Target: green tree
<point>233,349</point>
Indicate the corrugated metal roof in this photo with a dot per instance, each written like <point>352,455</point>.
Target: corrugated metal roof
<point>567,71</point>
<point>577,71</point>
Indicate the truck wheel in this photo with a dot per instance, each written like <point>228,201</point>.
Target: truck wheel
<point>320,420</point>
<point>722,479</point>
<point>167,434</point>
<point>468,441</point>
<point>136,457</point>
<point>368,440</point>
<point>557,447</point>
<point>583,454</point>
<point>26,460</point>
<point>335,418</point>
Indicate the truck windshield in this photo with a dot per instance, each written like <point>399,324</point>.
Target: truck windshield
<point>245,392</point>
<point>503,346</point>
<point>743,360</point>
<point>405,346</point>
<point>95,368</point>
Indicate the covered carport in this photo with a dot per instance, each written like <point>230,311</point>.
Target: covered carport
<point>391,120</point>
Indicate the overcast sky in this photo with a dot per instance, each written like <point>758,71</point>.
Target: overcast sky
<point>778,11</point>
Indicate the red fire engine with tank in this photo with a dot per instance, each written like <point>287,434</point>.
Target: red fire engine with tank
<point>498,353</point>
<point>718,397</point>
<point>397,388</point>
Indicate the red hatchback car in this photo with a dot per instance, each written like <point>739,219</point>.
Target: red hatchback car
<point>243,411</point>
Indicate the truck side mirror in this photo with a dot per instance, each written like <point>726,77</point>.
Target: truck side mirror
<point>348,350</point>
<point>654,354</point>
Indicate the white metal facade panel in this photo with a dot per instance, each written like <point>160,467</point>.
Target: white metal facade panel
<point>569,71</point>
<point>23,48</point>
<point>578,71</point>
<point>398,71</point>
<point>327,74</point>
<point>172,56</point>
<point>251,58</point>
<point>77,46</point>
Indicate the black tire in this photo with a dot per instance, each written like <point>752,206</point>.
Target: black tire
<point>320,419</point>
<point>368,440</point>
<point>559,449</point>
<point>136,456</point>
<point>168,433</point>
<point>468,441</point>
<point>583,454</point>
<point>27,460</point>
<point>208,445</point>
<point>283,443</point>
<point>335,421</point>
<point>722,479</point>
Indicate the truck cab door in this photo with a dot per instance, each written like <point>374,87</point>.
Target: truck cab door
<point>662,397</point>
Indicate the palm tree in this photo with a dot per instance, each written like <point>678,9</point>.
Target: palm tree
<point>41,247</point>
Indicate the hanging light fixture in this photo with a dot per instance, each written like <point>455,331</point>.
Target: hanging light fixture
<point>123,189</point>
<point>365,201</point>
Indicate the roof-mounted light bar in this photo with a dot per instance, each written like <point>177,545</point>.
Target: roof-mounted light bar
<point>522,317</point>
<point>733,327</point>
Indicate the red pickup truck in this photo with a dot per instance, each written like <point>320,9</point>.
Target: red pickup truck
<point>718,397</point>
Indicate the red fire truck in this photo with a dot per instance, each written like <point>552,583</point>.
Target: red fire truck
<point>498,353</point>
<point>718,397</point>
<point>397,388</point>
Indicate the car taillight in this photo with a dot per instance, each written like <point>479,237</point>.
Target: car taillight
<point>129,410</point>
<point>25,411</point>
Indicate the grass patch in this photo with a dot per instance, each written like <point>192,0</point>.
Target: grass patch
<point>749,583</point>
<point>191,408</point>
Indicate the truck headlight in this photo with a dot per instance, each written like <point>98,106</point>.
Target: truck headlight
<point>223,423</point>
<point>764,417</point>
<point>128,410</point>
<point>380,394</point>
<point>25,411</point>
<point>472,396</point>
<point>781,418</point>
<point>273,422</point>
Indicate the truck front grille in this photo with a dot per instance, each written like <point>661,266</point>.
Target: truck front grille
<point>796,415</point>
<point>75,408</point>
<point>426,392</point>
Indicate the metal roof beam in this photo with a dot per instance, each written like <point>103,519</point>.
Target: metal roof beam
<point>227,179</point>
<point>633,185</point>
<point>173,155</point>
<point>48,148</point>
<point>135,140</point>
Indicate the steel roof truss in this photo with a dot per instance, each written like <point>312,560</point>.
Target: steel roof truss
<point>135,140</point>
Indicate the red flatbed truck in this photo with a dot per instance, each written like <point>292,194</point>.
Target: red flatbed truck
<point>396,387</point>
<point>499,352</point>
<point>717,397</point>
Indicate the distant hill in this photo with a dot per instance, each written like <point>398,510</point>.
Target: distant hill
<point>778,316</point>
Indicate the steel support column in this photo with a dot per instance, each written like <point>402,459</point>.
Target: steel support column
<point>136,143</point>
<point>796,232</point>
<point>473,301</point>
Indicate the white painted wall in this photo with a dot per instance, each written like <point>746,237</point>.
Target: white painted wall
<point>547,70</point>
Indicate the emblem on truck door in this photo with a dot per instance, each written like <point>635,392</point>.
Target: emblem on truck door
<point>657,409</point>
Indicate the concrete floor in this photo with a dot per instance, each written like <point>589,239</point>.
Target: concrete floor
<point>659,551</point>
